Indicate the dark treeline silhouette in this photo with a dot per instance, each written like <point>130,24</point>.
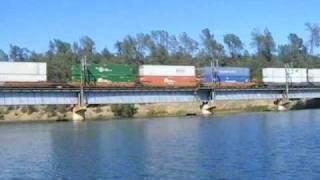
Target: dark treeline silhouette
<point>160,47</point>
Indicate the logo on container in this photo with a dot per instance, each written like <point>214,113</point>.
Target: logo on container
<point>169,81</point>
<point>101,69</point>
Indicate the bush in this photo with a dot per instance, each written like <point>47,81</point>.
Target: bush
<point>2,112</point>
<point>125,110</point>
<point>10,108</point>
<point>99,110</point>
<point>32,109</point>
<point>29,109</point>
<point>24,109</point>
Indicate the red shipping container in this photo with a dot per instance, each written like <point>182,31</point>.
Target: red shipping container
<point>167,76</point>
<point>168,81</point>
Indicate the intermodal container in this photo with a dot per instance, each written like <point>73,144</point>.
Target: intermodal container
<point>106,75</point>
<point>23,72</point>
<point>281,76</point>
<point>224,74</point>
<point>167,76</point>
<point>314,76</point>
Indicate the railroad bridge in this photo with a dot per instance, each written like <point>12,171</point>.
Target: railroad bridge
<point>91,96</point>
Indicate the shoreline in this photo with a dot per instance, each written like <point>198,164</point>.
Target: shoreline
<point>64,113</point>
<point>31,114</point>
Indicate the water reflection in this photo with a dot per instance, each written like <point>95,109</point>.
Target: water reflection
<point>245,146</point>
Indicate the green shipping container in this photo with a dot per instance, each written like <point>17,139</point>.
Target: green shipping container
<point>110,73</point>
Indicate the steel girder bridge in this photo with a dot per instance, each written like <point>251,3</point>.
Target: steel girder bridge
<point>55,96</point>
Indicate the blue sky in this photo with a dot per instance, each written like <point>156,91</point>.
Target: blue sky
<point>32,23</point>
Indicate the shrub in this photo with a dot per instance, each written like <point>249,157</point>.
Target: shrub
<point>99,110</point>
<point>10,108</point>
<point>28,109</point>
<point>125,110</point>
<point>24,109</point>
<point>32,109</point>
<point>2,112</point>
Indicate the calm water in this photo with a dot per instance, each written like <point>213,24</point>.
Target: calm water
<point>245,146</point>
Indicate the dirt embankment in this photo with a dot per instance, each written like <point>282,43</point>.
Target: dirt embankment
<point>54,113</point>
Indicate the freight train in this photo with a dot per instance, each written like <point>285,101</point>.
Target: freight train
<point>34,74</point>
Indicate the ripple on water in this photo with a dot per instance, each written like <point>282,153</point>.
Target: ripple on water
<point>246,146</point>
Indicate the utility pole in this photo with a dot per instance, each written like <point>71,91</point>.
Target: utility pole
<point>214,74</point>
<point>82,78</point>
<point>80,109</point>
<point>214,69</point>
<point>287,67</point>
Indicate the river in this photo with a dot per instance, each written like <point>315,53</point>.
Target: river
<point>243,146</point>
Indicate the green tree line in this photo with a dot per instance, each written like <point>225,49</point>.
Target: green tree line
<point>161,47</point>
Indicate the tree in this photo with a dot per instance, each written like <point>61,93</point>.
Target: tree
<point>106,53</point>
<point>234,44</point>
<point>158,44</point>
<point>314,36</point>
<point>293,52</point>
<point>142,41</point>
<point>211,46</point>
<point>124,110</point>
<point>187,44</point>
<point>174,45</point>
<point>3,56</point>
<point>127,49</point>
<point>59,47</point>
<point>264,43</point>
<point>60,58</point>
<point>87,45</point>
<point>76,48</point>
<point>18,54</point>
<point>160,38</point>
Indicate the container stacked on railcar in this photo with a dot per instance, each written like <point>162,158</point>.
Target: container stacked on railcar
<point>167,76</point>
<point>23,72</point>
<point>107,75</point>
<point>34,75</point>
<point>225,77</point>
<point>314,77</point>
<point>280,76</point>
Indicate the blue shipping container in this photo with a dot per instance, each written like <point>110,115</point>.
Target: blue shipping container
<point>225,74</point>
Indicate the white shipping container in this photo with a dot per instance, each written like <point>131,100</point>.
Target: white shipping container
<point>163,70</point>
<point>23,72</point>
<point>314,76</point>
<point>278,76</point>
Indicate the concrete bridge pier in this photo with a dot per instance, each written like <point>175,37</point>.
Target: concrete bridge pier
<point>207,108</point>
<point>282,104</point>
<point>79,113</point>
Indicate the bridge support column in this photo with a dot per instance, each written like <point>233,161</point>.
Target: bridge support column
<point>282,104</point>
<point>207,108</point>
<point>79,113</point>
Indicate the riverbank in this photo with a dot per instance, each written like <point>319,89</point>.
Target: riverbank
<point>62,112</point>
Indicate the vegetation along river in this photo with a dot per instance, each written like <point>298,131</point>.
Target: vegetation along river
<point>243,146</point>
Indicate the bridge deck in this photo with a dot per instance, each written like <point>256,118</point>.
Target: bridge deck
<point>34,96</point>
